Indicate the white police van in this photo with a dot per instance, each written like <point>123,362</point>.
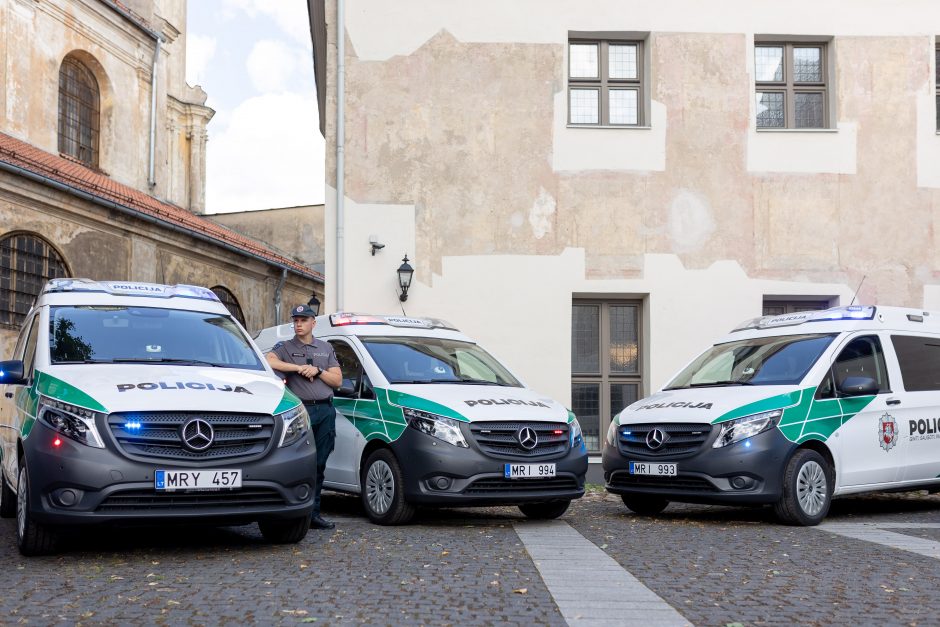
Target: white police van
<point>427,417</point>
<point>139,403</point>
<point>790,411</point>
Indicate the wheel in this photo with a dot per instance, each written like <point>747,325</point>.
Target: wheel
<point>290,531</point>
<point>382,494</point>
<point>7,499</point>
<point>544,511</point>
<point>31,538</point>
<point>807,489</point>
<point>644,505</point>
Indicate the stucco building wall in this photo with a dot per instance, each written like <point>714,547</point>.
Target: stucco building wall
<point>294,231</point>
<point>458,152</point>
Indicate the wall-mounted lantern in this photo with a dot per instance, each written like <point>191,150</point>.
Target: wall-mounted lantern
<point>405,272</point>
<point>314,303</point>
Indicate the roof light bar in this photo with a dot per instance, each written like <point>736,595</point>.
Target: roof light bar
<point>852,312</point>
<point>130,288</point>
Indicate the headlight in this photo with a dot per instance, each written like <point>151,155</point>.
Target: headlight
<point>446,429</point>
<point>574,428</point>
<point>612,433</point>
<point>744,428</point>
<point>296,425</point>
<point>76,423</point>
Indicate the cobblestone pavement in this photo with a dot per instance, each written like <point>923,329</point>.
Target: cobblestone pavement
<point>716,565</point>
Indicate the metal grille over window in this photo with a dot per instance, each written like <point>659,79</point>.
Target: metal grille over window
<point>26,263</point>
<point>605,82</point>
<point>231,303</point>
<point>791,85</point>
<point>78,112</point>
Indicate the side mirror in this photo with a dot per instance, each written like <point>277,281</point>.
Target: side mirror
<point>858,386</point>
<point>346,389</point>
<point>11,373</point>
<point>367,391</point>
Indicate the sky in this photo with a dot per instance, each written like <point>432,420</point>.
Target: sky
<point>254,59</point>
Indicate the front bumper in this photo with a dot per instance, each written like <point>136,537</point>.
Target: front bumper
<point>477,479</point>
<point>108,487</point>
<point>708,475</point>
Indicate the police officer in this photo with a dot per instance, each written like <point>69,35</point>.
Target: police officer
<point>312,373</point>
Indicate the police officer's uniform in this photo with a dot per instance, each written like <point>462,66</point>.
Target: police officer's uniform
<point>316,395</point>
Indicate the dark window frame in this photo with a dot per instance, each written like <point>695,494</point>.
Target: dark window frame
<point>795,305</point>
<point>604,377</point>
<point>603,84</point>
<point>79,112</point>
<point>27,261</point>
<point>789,87</point>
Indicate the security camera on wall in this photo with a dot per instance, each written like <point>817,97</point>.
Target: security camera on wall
<point>375,243</point>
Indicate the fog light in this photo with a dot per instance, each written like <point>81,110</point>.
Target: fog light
<point>741,483</point>
<point>302,491</point>
<point>440,483</point>
<point>66,497</point>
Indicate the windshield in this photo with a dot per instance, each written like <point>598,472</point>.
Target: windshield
<point>147,335</point>
<point>433,360</point>
<point>781,360</point>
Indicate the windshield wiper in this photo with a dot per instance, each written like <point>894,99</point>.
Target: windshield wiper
<point>82,361</point>
<point>712,384</point>
<point>472,381</point>
<point>166,360</point>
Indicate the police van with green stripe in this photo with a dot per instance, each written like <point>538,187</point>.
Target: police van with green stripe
<point>789,411</point>
<point>132,402</point>
<point>425,416</point>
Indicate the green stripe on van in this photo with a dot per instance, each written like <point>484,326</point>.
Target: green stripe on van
<point>422,404</point>
<point>289,400</point>
<point>47,385</point>
<point>768,404</point>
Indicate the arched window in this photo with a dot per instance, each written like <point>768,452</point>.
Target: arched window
<point>231,303</point>
<point>26,263</point>
<point>78,111</point>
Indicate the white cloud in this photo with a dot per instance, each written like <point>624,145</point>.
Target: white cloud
<point>199,51</point>
<point>269,155</point>
<point>290,16</point>
<point>270,65</point>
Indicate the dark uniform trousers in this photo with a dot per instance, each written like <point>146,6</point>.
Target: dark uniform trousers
<point>323,424</point>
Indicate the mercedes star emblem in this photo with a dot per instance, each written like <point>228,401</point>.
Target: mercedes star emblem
<point>655,439</point>
<point>197,434</point>
<point>527,438</point>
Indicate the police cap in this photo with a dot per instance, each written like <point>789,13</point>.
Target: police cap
<point>302,310</point>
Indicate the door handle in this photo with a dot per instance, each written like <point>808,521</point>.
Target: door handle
<point>893,401</point>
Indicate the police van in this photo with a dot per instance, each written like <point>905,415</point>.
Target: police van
<point>425,416</point>
<point>133,402</point>
<point>789,411</point>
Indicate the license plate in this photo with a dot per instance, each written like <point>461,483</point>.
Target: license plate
<point>170,480</point>
<point>528,471</point>
<point>646,468</point>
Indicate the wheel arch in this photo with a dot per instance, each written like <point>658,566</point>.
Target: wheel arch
<point>820,447</point>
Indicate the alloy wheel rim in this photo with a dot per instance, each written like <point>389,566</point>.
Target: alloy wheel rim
<point>21,504</point>
<point>811,488</point>
<point>380,487</point>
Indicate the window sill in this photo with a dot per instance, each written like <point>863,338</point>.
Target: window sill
<point>609,126</point>
<point>797,130</point>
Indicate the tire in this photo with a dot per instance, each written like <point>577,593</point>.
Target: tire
<point>807,489</point>
<point>31,538</point>
<point>290,531</point>
<point>382,494</point>
<point>644,505</point>
<point>544,511</point>
<point>7,499</point>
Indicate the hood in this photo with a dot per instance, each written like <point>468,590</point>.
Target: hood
<point>479,402</point>
<point>132,387</point>
<point>709,404</point>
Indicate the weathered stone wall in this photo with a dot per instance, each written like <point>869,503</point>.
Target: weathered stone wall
<point>294,231</point>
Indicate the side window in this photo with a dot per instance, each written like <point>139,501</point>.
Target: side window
<point>919,358</point>
<point>29,354</point>
<point>351,368</point>
<point>862,357</point>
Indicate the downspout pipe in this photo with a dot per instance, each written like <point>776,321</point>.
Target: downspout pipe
<point>108,204</point>
<point>340,148</point>
<point>277,296</point>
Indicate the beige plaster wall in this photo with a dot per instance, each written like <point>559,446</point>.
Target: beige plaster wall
<point>295,231</point>
<point>36,36</point>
